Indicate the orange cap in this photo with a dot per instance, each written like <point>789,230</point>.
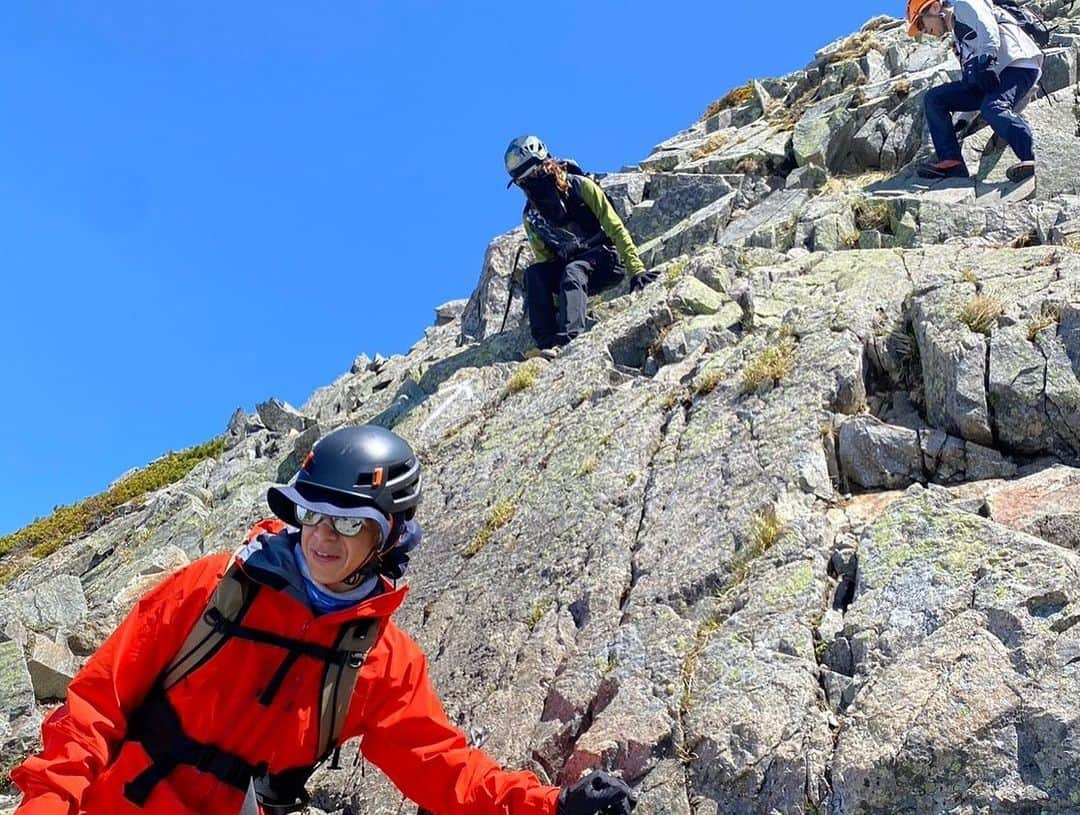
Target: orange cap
<point>914,9</point>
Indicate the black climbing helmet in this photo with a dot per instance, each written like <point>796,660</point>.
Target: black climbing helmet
<point>351,470</point>
<point>524,153</point>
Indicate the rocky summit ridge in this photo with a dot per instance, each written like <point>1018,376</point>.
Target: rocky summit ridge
<point>796,530</point>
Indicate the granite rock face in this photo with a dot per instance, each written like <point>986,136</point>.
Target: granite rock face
<point>792,530</point>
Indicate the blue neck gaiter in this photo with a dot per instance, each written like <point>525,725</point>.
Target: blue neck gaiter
<point>324,601</point>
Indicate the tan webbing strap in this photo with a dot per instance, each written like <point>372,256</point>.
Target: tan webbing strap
<point>231,598</point>
<point>339,681</point>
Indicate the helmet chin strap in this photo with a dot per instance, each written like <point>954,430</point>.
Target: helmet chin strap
<point>360,573</point>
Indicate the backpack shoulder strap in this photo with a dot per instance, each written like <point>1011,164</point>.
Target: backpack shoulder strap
<point>230,601</point>
<point>354,642</point>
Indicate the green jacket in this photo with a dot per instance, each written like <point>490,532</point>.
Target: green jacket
<point>598,203</point>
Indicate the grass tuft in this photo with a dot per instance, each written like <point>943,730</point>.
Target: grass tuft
<point>45,535</point>
<point>732,99</point>
<point>981,313</point>
<point>771,365</point>
<point>1049,315</point>
<point>856,46</point>
<point>715,142</point>
<point>871,215</point>
<point>523,378</point>
<point>765,530</point>
<point>750,165</point>
<point>501,514</point>
<point>708,381</point>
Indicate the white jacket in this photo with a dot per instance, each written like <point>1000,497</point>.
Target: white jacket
<point>980,27</point>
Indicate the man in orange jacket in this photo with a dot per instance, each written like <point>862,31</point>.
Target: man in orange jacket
<point>232,679</point>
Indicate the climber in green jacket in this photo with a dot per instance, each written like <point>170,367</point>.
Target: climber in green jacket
<point>580,243</point>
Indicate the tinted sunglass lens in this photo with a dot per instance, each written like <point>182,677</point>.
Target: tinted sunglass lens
<point>307,517</point>
<point>349,526</point>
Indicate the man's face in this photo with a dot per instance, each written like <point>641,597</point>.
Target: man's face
<point>331,556</point>
<point>932,21</point>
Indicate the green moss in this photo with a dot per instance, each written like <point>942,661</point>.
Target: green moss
<point>952,544</point>
<point>501,514</point>
<point>45,535</point>
<point>607,664</point>
<point>536,614</point>
<point>797,582</point>
<point>675,271</point>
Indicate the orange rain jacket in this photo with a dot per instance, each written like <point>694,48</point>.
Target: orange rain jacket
<point>86,760</point>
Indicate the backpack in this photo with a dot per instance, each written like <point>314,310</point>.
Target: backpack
<point>555,236</point>
<point>1029,20</point>
<point>157,726</point>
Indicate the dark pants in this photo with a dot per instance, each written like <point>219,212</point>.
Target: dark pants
<point>997,107</point>
<point>571,283</point>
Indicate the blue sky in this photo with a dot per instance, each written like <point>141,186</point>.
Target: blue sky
<point>203,205</point>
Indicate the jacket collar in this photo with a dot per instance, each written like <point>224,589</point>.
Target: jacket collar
<point>268,560</point>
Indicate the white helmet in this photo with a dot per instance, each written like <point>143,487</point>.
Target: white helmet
<point>524,153</point>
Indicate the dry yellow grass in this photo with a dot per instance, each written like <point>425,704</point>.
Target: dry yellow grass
<point>501,514</point>
<point>871,215</point>
<point>731,99</point>
<point>771,365</point>
<point>981,313</point>
<point>523,377</point>
<point>715,142</point>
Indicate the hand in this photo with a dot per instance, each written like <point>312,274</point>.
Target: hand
<point>596,793</point>
<point>639,282</point>
<point>570,250</point>
<point>980,71</point>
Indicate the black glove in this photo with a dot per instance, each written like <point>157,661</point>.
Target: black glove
<point>596,793</point>
<point>979,71</point>
<point>638,282</point>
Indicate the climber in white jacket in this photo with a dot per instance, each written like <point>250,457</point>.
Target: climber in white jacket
<point>1000,65</point>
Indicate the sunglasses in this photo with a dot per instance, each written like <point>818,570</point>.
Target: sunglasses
<point>343,526</point>
<point>529,175</point>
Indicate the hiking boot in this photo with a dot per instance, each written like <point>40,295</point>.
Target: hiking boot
<point>944,169</point>
<point>1020,172</point>
<point>541,353</point>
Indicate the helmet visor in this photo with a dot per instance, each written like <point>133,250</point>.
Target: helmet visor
<point>285,502</point>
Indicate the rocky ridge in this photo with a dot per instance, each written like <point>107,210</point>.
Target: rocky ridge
<point>794,530</point>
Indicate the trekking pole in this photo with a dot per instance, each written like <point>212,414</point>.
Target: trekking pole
<point>510,288</point>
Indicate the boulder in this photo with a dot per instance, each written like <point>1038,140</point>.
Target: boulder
<point>281,417</point>
<point>449,311</point>
<point>875,455</point>
<point>51,666</point>
<point>58,604</point>
<point>506,255</point>
<point>19,719</point>
<point>823,133</point>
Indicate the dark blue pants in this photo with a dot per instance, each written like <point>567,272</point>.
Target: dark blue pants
<point>997,107</point>
<point>572,283</point>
